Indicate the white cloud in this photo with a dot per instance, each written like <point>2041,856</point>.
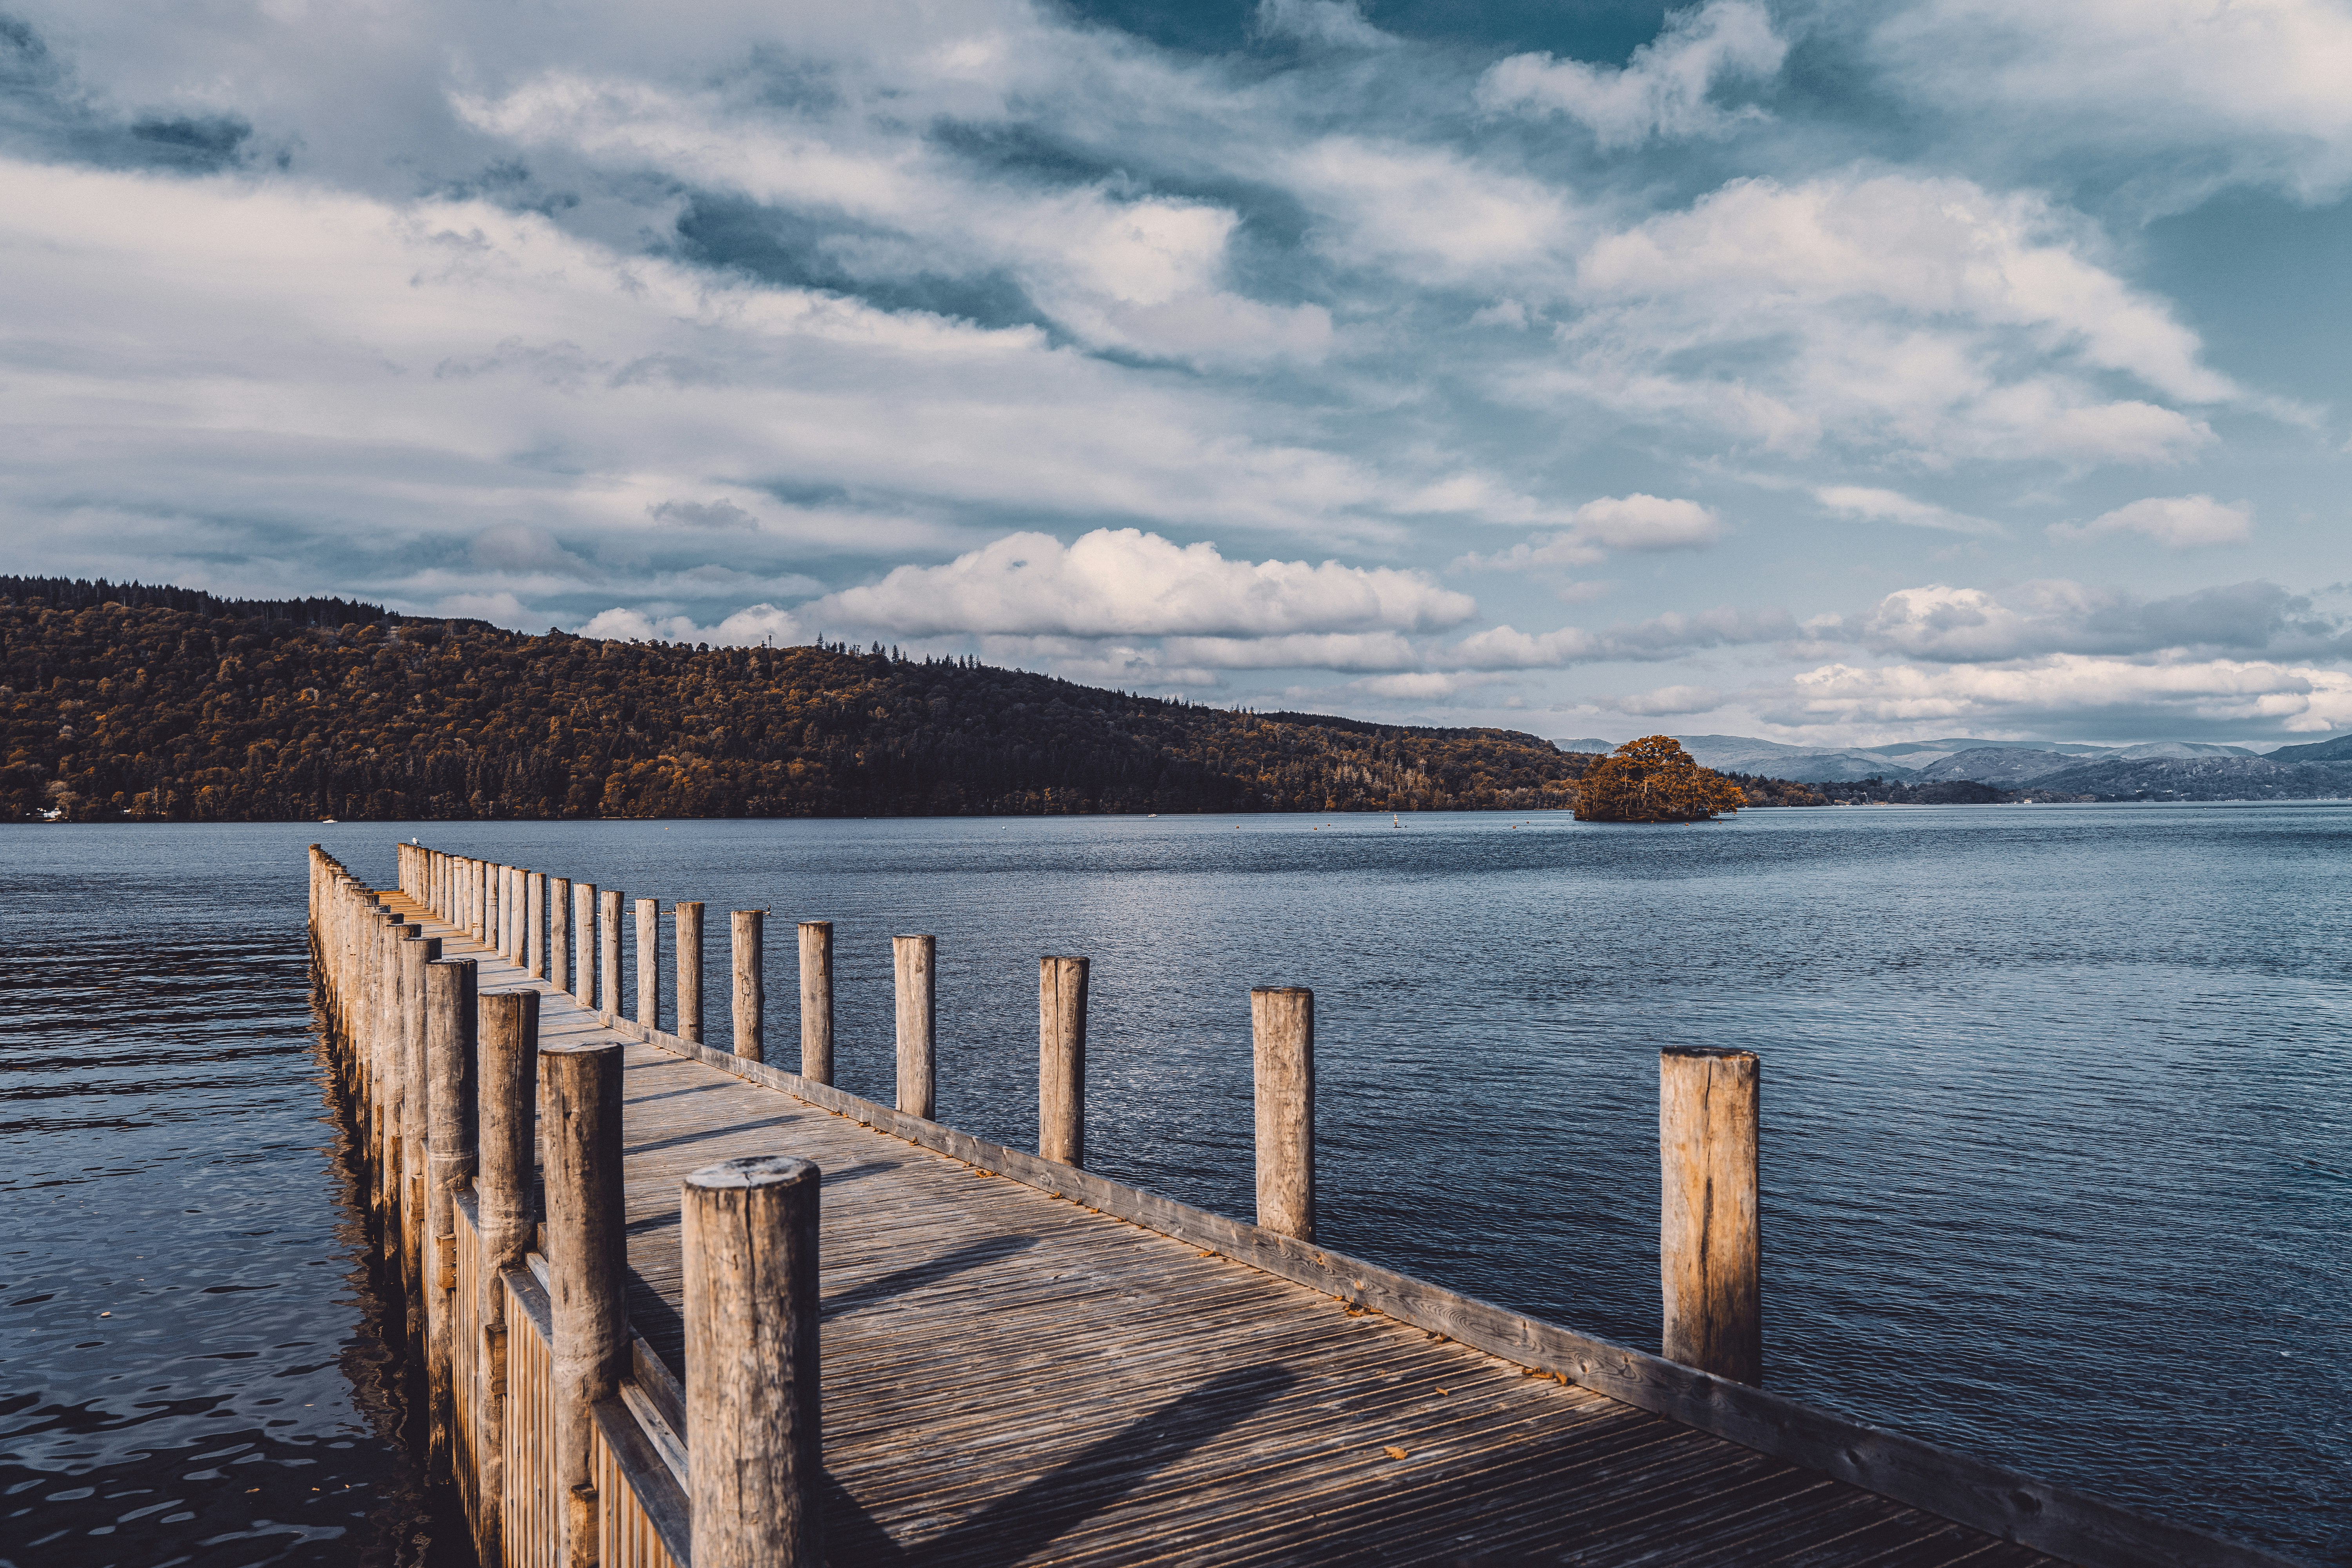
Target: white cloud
<point>2201,88</point>
<point>748,627</point>
<point>1334,22</point>
<point>1894,506</point>
<point>1666,699</point>
<point>1924,316</point>
<point>2048,695</point>
<point>1663,91</point>
<point>2177,522</point>
<point>1431,214</point>
<point>1127,582</point>
<point>1639,521</point>
<point>260,353</point>
<point>1945,623</point>
<point>1669,636</point>
<point>1636,521</point>
<point>1144,273</point>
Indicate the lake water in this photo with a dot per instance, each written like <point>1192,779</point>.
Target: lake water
<point>2056,1147</point>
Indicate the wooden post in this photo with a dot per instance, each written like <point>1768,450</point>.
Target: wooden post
<point>500,885</point>
<point>754,1432</point>
<point>417,953</point>
<point>915,960</point>
<point>1062,1061</point>
<point>1710,1250</point>
<point>608,977</point>
<point>450,1019</point>
<point>747,929</point>
<point>817,1000</point>
<point>519,934</point>
<point>690,972</point>
<point>583,943</point>
<point>509,1096</point>
<point>649,962</point>
<point>1282,1021</point>
<point>580,1119</point>
<point>559,932</point>
<point>534,924</point>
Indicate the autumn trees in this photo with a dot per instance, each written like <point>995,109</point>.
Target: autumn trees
<point>177,706</point>
<point>1653,780</point>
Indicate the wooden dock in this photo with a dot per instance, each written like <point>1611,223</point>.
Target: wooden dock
<point>1024,1363</point>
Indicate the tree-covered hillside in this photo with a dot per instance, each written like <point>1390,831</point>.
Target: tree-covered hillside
<point>130,704</point>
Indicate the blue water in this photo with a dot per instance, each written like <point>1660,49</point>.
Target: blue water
<point>2056,1146</point>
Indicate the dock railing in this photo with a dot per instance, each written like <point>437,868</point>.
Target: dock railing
<point>571,1442</point>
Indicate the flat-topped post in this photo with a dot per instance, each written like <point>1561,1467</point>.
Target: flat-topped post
<point>747,933</point>
<point>416,953</point>
<point>507,1093</point>
<point>559,932</point>
<point>1282,1026</point>
<point>449,1024</point>
<point>608,947</point>
<point>754,1431</point>
<point>817,1000</point>
<point>534,924</point>
<point>689,970</point>
<point>914,964</point>
<point>580,1127</point>
<point>649,962</point>
<point>1710,1250</point>
<point>1062,1059</point>
<point>583,944</point>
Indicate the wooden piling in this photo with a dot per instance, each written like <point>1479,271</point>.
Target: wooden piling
<point>416,953</point>
<point>1062,1059</point>
<point>534,924</point>
<point>753,1426</point>
<point>690,972</point>
<point>449,1021</point>
<point>508,1091</point>
<point>583,943</point>
<point>580,1122</point>
<point>746,930</point>
<point>608,969</point>
<point>649,962</point>
<point>817,1000</point>
<point>1710,1250</point>
<point>1281,1024</point>
<point>914,962</point>
<point>559,932</point>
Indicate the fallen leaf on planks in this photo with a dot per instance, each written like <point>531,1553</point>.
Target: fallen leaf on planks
<point>1446,1391</point>
<point>1394,1452</point>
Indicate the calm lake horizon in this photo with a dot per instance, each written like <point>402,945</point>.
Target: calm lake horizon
<point>2054,1151</point>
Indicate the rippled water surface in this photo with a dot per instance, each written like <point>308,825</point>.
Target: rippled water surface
<point>2056,1147</point>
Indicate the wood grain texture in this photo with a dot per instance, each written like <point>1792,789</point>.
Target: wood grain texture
<point>1062,1059</point>
<point>1282,1030</point>
<point>747,950</point>
<point>1710,1251</point>
<point>649,987</point>
<point>688,917</point>
<point>817,1000</point>
<point>914,965</point>
<point>753,1400</point>
<point>1023,1362</point>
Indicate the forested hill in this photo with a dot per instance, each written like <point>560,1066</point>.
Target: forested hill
<point>158,704</point>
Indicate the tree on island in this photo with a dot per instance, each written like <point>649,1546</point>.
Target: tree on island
<point>1653,780</point>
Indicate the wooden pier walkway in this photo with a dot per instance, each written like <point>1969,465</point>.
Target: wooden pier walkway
<point>1023,1363</point>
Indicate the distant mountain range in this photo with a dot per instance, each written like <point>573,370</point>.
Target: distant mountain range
<point>2157,770</point>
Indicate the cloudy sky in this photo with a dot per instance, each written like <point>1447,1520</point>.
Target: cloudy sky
<point>1821,371</point>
